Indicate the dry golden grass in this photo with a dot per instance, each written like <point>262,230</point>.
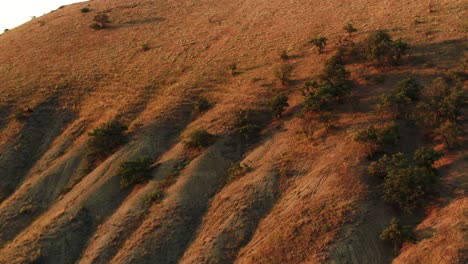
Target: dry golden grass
<point>306,200</point>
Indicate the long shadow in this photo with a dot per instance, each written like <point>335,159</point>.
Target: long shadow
<point>136,22</point>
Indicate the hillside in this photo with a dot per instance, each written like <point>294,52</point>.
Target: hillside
<point>301,191</point>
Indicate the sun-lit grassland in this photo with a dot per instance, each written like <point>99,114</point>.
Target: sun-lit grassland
<point>149,68</point>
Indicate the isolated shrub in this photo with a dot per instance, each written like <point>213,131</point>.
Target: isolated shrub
<point>377,139</point>
<point>381,50</point>
<point>104,140</point>
<point>278,104</point>
<point>145,47</point>
<point>102,21</point>
<point>154,196</point>
<point>284,55</point>
<point>199,138</point>
<point>407,182</point>
<point>134,172</point>
<point>319,43</point>
<point>401,101</point>
<point>201,105</point>
<point>237,170</point>
<point>247,123</point>
<point>233,68</point>
<point>349,29</point>
<point>85,10</point>
<point>284,73</point>
<point>397,235</point>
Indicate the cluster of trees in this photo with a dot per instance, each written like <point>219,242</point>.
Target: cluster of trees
<point>407,181</point>
<point>437,107</point>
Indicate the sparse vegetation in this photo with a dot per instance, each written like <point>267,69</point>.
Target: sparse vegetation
<point>397,235</point>
<point>199,138</point>
<point>246,124</point>
<point>319,43</point>
<point>154,196</point>
<point>237,170</point>
<point>284,55</point>
<point>278,104</point>
<point>145,47</point>
<point>284,73</point>
<point>233,68</point>
<point>349,29</point>
<point>134,172</point>
<point>104,140</point>
<point>85,10</point>
<point>102,21</point>
<point>381,50</point>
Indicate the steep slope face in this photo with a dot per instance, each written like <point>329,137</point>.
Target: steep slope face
<point>304,199</point>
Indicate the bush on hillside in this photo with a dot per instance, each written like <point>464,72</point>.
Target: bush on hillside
<point>284,73</point>
<point>199,138</point>
<point>397,235</point>
<point>278,104</point>
<point>104,140</point>
<point>154,196</point>
<point>441,108</point>
<point>349,29</point>
<point>134,172</point>
<point>201,105</point>
<point>247,123</point>
<point>319,43</point>
<point>102,21</point>
<point>381,50</point>
<point>233,68</point>
<point>331,86</point>
<point>399,103</point>
<point>85,10</point>
<point>407,182</point>
<point>378,139</point>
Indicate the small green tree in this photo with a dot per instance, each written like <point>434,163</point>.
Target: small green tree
<point>199,138</point>
<point>319,43</point>
<point>441,108</point>
<point>278,104</point>
<point>284,73</point>
<point>332,85</point>
<point>451,132</point>
<point>104,140</point>
<point>349,29</point>
<point>102,21</point>
<point>397,235</point>
<point>381,50</point>
<point>134,172</point>
<point>246,124</point>
<point>399,102</point>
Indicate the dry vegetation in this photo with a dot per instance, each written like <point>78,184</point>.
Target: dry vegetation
<point>205,85</point>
